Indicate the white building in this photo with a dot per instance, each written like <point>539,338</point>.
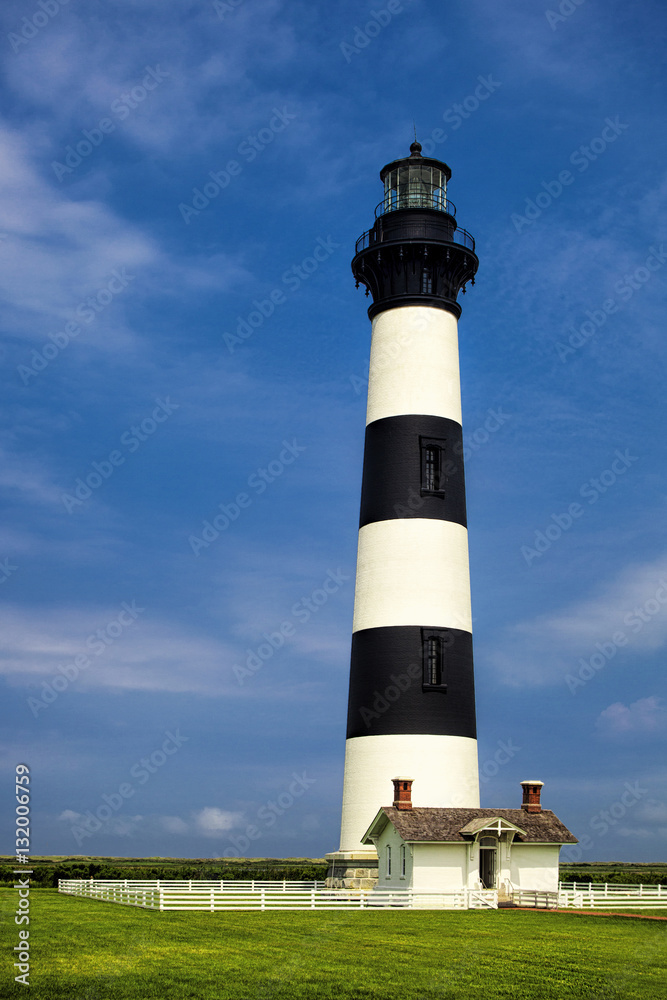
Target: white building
<point>446,849</point>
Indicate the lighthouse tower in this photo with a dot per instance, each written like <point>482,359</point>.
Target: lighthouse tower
<point>411,703</point>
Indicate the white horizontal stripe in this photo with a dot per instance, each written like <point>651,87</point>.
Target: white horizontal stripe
<point>412,571</point>
<point>414,364</point>
<point>444,769</point>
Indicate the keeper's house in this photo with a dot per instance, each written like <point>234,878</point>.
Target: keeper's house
<point>446,850</point>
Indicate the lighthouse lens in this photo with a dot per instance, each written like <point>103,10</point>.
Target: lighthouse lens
<point>415,186</point>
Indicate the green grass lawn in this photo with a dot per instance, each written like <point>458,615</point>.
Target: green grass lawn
<point>89,950</point>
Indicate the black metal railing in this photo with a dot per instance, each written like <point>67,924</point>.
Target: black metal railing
<point>460,236</point>
<point>416,199</point>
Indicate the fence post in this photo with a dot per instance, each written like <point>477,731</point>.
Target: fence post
<point>262,896</point>
<point>312,897</point>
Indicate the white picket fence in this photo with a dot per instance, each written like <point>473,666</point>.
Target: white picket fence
<point>596,895</point>
<point>235,895</point>
<point>538,899</point>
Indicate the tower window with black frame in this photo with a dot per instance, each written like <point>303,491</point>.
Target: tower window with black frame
<point>433,467</point>
<point>434,644</point>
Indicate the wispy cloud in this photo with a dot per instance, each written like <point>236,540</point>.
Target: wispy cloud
<point>153,655</point>
<point>645,716</point>
<point>214,822</point>
<point>542,650</point>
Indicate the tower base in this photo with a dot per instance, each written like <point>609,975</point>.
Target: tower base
<point>352,870</point>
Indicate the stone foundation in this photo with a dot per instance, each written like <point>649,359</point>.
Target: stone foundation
<point>352,870</point>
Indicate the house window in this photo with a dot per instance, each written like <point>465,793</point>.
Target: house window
<point>434,645</point>
<point>388,860</point>
<point>403,861</point>
<point>432,467</point>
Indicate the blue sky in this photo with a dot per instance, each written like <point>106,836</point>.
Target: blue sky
<point>181,188</point>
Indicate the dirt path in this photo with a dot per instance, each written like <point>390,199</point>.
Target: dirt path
<point>588,913</point>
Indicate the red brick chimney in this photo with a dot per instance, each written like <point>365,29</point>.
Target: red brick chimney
<point>531,796</point>
<point>402,793</point>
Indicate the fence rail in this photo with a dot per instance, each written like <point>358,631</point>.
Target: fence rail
<point>537,898</point>
<point>232,895</point>
<point>589,895</point>
<point>218,883</point>
<point>611,887</point>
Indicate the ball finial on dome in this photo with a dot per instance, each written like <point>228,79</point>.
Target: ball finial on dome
<point>415,148</point>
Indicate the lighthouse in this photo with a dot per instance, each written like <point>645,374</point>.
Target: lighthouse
<point>411,707</point>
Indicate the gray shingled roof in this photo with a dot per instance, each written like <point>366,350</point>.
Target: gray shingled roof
<point>446,824</point>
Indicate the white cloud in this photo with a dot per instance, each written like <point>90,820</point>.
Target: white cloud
<point>75,70</point>
<point>544,649</point>
<point>115,826</point>
<point>73,246</point>
<point>653,811</point>
<point>174,824</point>
<point>69,816</point>
<point>214,822</point>
<point>147,655</point>
<point>653,814</point>
<point>644,716</point>
<point>27,479</point>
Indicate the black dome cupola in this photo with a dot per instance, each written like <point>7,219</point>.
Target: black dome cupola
<point>415,254</point>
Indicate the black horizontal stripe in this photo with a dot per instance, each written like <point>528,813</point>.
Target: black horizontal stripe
<point>387,691</point>
<point>393,479</point>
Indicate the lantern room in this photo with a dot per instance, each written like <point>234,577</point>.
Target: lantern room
<point>415,182</point>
